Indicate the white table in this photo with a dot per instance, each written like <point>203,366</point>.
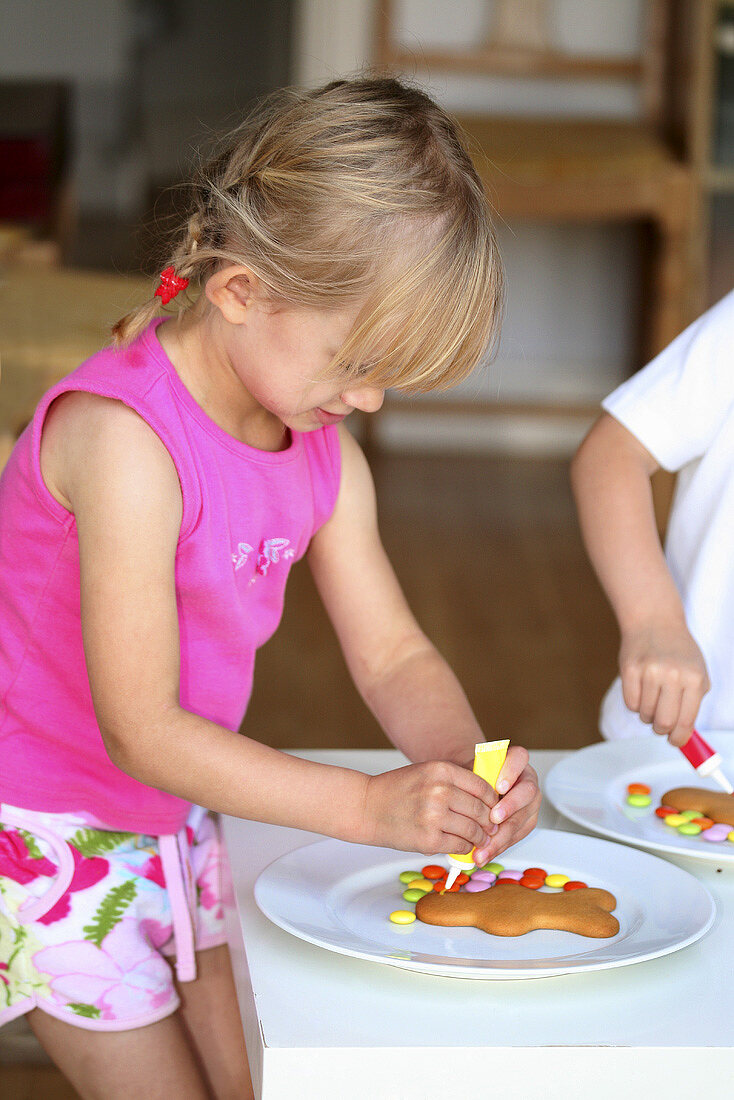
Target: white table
<point>323,1026</point>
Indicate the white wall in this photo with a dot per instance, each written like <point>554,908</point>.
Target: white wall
<point>571,289</point>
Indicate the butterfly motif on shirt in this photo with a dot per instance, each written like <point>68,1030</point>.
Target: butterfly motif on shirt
<point>270,552</point>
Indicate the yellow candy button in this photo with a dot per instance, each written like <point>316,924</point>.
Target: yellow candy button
<point>730,836</point>
<point>675,820</point>
<point>421,884</point>
<point>557,881</point>
<point>402,916</point>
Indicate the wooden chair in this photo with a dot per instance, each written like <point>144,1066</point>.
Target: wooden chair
<point>580,170</point>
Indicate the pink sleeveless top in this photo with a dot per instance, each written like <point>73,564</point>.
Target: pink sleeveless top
<point>247,516</point>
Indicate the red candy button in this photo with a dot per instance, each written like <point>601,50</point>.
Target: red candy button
<point>575,886</point>
<point>535,872</point>
<point>532,882</point>
<point>663,811</point>
<point>433,871</point>
<point>440,886</point>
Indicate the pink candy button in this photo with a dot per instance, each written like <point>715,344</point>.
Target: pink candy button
<point>516,875</point>
<point>717,833</point>
<point>475,885</point>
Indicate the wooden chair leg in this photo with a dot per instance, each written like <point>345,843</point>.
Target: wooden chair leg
<point>672,290</point>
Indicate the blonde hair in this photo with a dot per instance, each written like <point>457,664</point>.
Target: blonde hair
<point>358,191</point>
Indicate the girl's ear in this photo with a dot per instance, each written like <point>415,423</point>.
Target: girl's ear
<point>233,290</point>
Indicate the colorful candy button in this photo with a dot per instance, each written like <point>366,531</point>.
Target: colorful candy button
<point>433,872</point>
<point>717,833</point>
<point>509,874</point>
<point>704,822</point>
<point>674,820</point>
<point>638,788</point>
<point>690,814</point>
<point>413,895</point>
<point>689,828</point>
<point>478,884</point>
<point>495,868</point>
<point>664,811</point>
<point>575,885</point>
<point>556,882</point>
<point>402,916</point>
<point>535,872</point>
<point>440,887</point>
<point>409,876</point>
<point>532,882</point>
<point>731,836</point>
<point>638,800</point>
<point>484,876</point>
<point>421,884</point>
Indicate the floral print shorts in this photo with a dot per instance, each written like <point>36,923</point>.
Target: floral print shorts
<point>87,916</point>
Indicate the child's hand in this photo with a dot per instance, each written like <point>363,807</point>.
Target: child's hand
<point>516,812</point>
<point>432,807</point>
<point>664,678</point>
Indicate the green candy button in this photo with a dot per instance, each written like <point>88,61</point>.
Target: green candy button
<point>409,876</point>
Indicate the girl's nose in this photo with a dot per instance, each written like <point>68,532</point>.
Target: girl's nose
<point>367,399</point>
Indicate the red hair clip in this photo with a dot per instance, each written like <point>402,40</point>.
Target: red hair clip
<point>170,285</point>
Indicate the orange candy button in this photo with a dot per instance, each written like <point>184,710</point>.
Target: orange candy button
<point>532,882</point>
<point>433,872</point>
<point>704,822</point>
<point>575,886</point>
<point>638,788</point>
<point>461,878</point>
<point>440,886</point>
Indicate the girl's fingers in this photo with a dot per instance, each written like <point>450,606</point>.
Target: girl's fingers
<point>649,699</point>
<point>464,832</point>
<point>687,718</point>
<point>632,687</point>
<point>522,796</point>
<point>515,763</point>
<point>667,711</point>
<point>466,805</point>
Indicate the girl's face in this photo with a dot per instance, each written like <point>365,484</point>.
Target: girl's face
<point>280,355</point>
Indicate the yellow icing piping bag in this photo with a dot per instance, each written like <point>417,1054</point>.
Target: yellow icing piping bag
<point>488,761</point>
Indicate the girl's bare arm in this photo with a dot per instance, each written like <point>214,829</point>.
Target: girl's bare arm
<point>404,680</point>
<point>663,672</point>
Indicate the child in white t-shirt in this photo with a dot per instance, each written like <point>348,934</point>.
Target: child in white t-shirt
<point>675,608</point>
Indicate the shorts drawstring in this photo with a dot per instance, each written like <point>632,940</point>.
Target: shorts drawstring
<point>179,880</point>
<point>35,908</point>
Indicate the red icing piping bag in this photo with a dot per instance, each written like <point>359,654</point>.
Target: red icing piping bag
<point>705,760</point>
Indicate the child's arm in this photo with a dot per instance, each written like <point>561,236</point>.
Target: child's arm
<point>406,683</point>
<point>106,465</point>
<point>663,671</point>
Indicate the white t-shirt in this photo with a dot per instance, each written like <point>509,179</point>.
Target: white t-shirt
<point>681,408</point>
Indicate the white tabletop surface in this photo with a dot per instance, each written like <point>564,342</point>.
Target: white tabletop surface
<point>323,1026</point>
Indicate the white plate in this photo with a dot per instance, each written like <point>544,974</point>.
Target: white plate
<point>590,787</point>
<point>339,896</point>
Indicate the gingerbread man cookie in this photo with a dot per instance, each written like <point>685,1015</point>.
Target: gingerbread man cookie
<point>714,804</point>
<point>513,910</point>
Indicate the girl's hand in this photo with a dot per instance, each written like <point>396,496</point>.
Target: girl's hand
<point>431,807</point>
<point>516,813</point>
<point>664,678</point>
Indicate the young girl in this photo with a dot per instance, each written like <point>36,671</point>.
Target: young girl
<point>149,516</point>
<point>675,608</point>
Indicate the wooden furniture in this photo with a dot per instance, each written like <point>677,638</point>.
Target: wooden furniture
<point>577,170</point>
<point>36,186</point>
<point>323,1026</point>
<point>709,126</point>
<point>50,321</point>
